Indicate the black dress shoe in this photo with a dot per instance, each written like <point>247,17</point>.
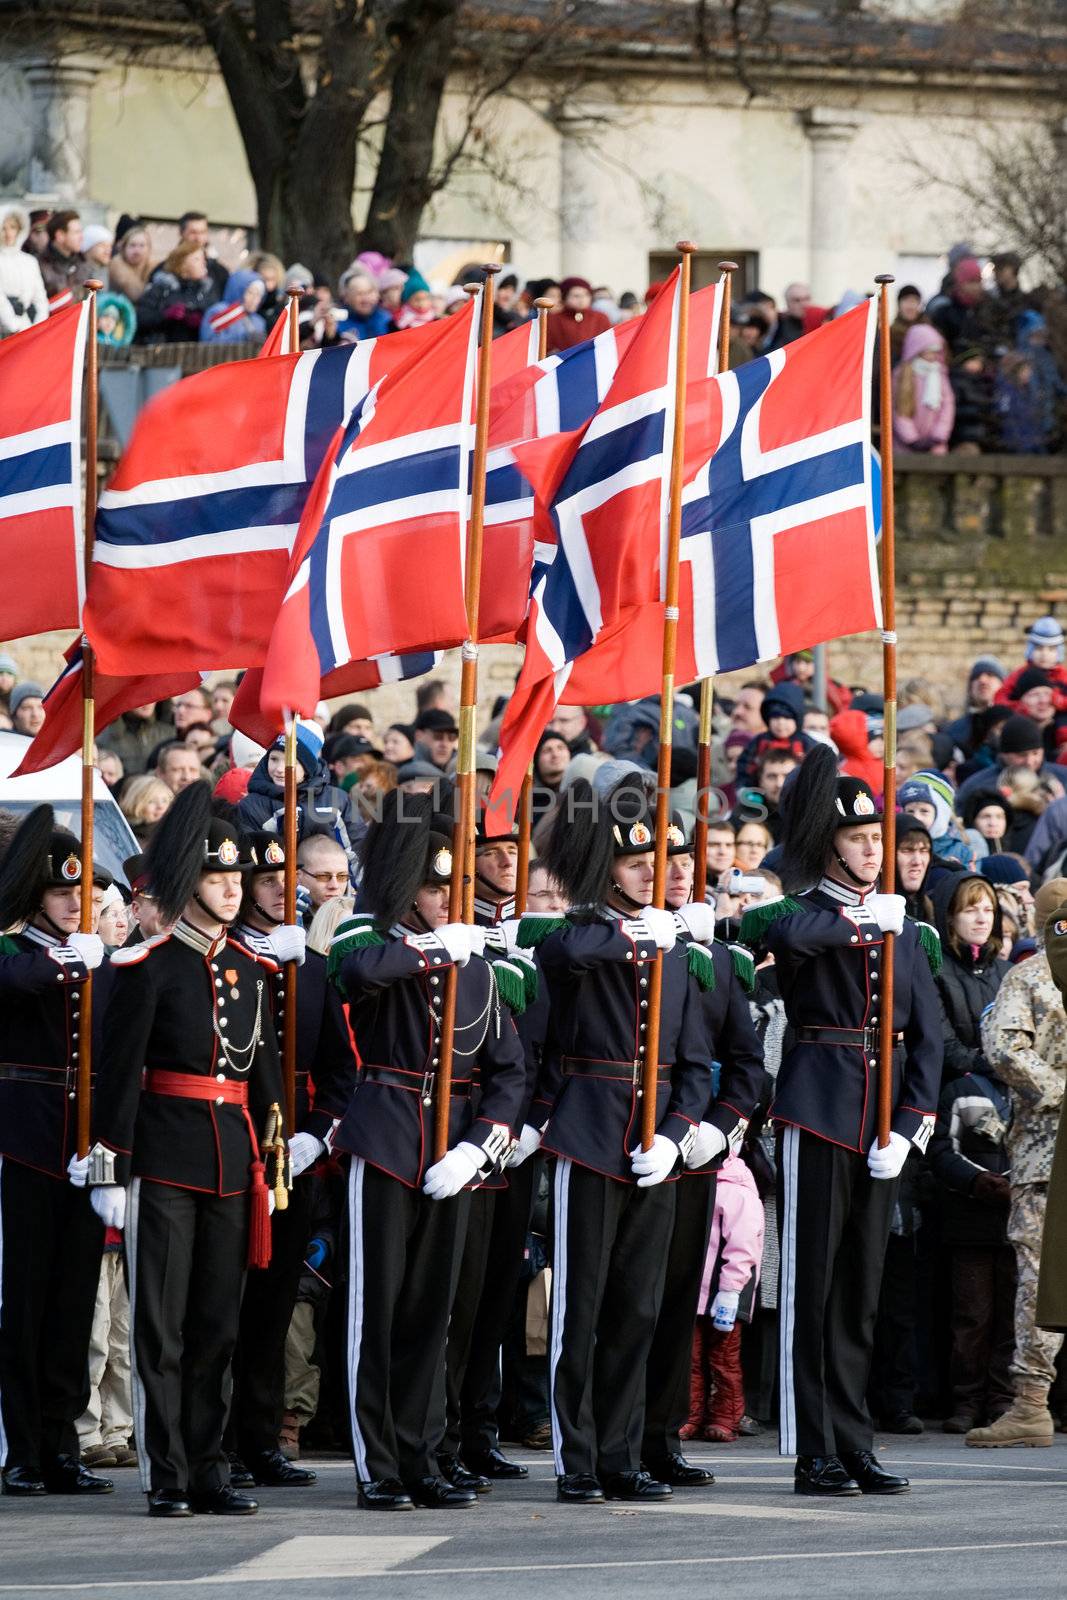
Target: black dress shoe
<point>23,1481</point>
<point>169,1503</point>
<point>452,1468</point>
<point>823,1476</point>
<point>273,1470</point>
<point>579,1489</point>
<point>66,1475</point>
<point>223,1502</point>
<point>871,1475</point>
<point>639,1486</point>
<point>492,1464</point>
<point>240,1476</point>
<point>680,1473</point>
<point>385,1494</point>
<point>437,1494</point>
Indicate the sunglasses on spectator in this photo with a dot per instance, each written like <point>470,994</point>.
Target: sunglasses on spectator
<point>325,877</point>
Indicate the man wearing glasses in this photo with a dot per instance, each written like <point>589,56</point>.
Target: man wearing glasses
<point>322,868</point>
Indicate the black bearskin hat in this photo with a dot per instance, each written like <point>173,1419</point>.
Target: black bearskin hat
<point>408,846</point>
<point>591,829</point>
<point>39,857</point>
<point>816,801</point>
<point>265,852</point>
<point>187,842</point>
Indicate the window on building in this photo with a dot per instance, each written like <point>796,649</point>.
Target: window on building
<point>705,268</point>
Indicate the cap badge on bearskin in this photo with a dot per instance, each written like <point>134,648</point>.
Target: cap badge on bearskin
<point>675,836</point>
<point>640,834</point>
<point>227,853</point>
<point>274,855</point>
<point>442,864</point>
<point>71,870</point>
<point>863,805</point>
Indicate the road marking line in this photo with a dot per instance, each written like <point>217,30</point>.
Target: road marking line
<point>328,1556</point>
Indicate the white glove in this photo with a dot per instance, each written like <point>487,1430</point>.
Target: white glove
<point>652,1166</point>
<point>889,1163</point>
<point>288,943</point>
<point>271,1202</point>
<point>888,911</point>
<point>461,941</point>
<point>304,1151</point>
<point>710,1141</point>
<point>90,948</point>
<point>455,1169</point>
<point>505,936</point>
<point>528,1141</point>
<point>78,1168</point>
<point>661,925</point>
<point>724,1309</point>
<point>698,919</point>
<point>109,1203</point>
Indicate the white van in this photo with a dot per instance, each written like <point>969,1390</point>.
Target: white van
<point>61,787</point>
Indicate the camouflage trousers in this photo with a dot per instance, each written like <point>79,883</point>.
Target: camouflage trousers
<point>1033,1365</point>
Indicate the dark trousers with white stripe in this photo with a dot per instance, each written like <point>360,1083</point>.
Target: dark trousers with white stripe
<point>51,1241</point>
<point>609,1259</point>
<point>470,1276</point>
<point>833,1224</point>
<point>403,1252</point>
<point>185,1255</point>
<point>667,1372</point>
<point>266,1312</point>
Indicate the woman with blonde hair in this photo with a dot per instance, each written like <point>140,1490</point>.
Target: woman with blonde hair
<point>752,842</point>
<point>144,801</point>
<point>325,922</point>
<point>172,306</point>
<point>131,263</point>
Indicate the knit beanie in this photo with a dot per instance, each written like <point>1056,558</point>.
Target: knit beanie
<point>1031,678</point>
<point>416,284</point>
<point>1046,630</point>
<point>987,664</point>
<point>309,739</point>
<point>933,790</point>
<point>1019,734</point>
<point>1003,869</point>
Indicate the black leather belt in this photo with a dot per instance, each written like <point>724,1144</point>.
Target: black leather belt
<point>15,1072</point>
<point>625,1071</point>
<point>416,1082</point>
<point>868,1038</point>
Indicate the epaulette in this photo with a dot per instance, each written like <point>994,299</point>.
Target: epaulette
<point>510,983</point>
<point>8,947</point>
<point>131,954</point>
<point>355,933</point>
<point>701,965</point>
<point>535,930</point>
<point>930,940</point>
<point>744,967</point>
<point>757,919</point>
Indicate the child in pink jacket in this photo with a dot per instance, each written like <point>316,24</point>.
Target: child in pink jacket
<point>924,406</point>
<point>727,1292</point>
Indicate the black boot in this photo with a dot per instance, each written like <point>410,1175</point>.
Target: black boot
<point>871,1475</point>
<point>169,1503</point>
<point>680,1473</point>
<point>66,1475</point>
<point>385,1494</point>
<point>579,1489</point>
<point>452,1468</point>
<point>823,1476</point>
<point>240,1476</point>
<point>223,1502</point>
<point>639,1486</point>
<point>494,1464</point>
<point>273,1470</point>
<point>23,1481</point>
<point>437,1494</point>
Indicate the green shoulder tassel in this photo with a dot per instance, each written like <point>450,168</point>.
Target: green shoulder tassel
<point>701,965</point>
<point>355,933</point>
<point>8,947</point>
<point>757,919</point>
<point>744,967</point>
<point>535,930</point>
<point>531,979</point>
<point>510,983</point>
<point>930,940</point>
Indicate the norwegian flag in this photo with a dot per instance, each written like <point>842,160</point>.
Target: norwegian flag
<point>379,562</point>
<point>602,500</point>
<point>41,532</point>
<point>248,714</point>
<point>60,302</point>
<point>61,735</point>
<point>779,519</point>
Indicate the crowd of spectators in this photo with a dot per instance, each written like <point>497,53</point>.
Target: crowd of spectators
<point>981,855</point>
<point>977,368</point>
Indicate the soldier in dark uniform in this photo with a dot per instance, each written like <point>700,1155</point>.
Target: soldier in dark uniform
<point>731,1038</point>
<point>50,1237</point>
<point>323,1052</point>
<point>188,1074</point>
<point>612,1210</point>
<point>836,1188</point>
<point>406,1212</point>
<point>499,1215</point>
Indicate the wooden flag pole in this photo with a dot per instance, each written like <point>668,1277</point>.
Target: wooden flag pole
<point>293,313</point>
<point>85,919</point>
<point>289,1009</point>
<point>889,686</point>
<point>707,685</point>
<point>522,875</point>
<point>650,1071</point>
<point>461,888</point>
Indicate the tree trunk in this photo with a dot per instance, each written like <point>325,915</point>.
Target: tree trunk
<point>404,184</point>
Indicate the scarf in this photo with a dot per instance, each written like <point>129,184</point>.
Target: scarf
<point>931,376</point>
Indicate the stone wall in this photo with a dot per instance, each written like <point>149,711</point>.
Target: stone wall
<point>981,552</point>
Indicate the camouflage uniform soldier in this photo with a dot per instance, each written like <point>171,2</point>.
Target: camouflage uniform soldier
<point>1024,1035</point>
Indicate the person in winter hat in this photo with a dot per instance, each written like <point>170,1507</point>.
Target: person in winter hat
<point>852,732</point>
<point>930,797</point>
<point>416,302</point>
<point>727,1298</point>
<point>575,320</point>
<point>924,407</point>
<point>116,321</point>
<point>321,808</point>
<point>1044,649</point>
<point>235,317</point>
<point>782,711</point>
<point>23,298</point>
<point>987,821</point>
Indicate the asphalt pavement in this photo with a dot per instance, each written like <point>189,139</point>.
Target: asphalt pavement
<point>976,1524</point>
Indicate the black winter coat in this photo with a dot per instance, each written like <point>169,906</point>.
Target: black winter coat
<point>965,986</point>
<point>317,801</point>
<point>972,1121</point>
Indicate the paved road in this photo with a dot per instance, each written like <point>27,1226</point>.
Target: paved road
<point>977,1524</point>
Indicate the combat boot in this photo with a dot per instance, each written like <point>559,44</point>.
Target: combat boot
<point>1027,1421</point>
